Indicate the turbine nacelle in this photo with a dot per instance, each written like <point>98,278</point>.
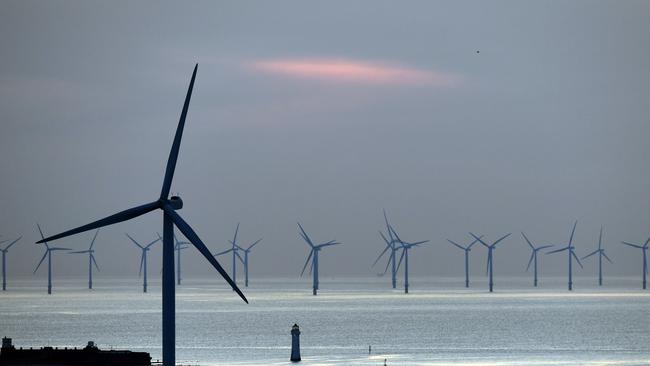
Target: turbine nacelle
<point>175,202</point>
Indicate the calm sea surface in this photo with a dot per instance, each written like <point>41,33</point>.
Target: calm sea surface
<point>438,323</point>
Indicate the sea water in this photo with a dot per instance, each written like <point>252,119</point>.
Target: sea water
<point>438,323</point>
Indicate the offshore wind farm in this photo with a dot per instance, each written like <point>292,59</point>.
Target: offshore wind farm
<point>351,177</point>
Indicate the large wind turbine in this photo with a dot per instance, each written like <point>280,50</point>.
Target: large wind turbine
<point>246,252</point>
<point>601,253</point>
<point>48,254</point>
<point>644,249</point>
<point>179,247</point>
<point>315,249</point>
<point>143,259</point>
<point>235,253</point>
<point>392,245</point>
<point>571,250</point>
<point>533,256</point>
<point>466,249</point>
<point>490,258</point>
<point>91,260</point>
<point>4,262</point>
<point>170,218</point>
<point>405,256</point>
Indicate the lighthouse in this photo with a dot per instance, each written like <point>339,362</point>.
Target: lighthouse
<point>295,343</point>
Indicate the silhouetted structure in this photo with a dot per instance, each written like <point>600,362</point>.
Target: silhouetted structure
<point>466,249</point>
<point>295,343</point>
<point>91,260</point>
<point>571,250</point>
<point>533,257</point>
<point>644,249</point>
<point>490,258</point>
<point>48,254</point>
<point>315,249</point>
<point>143,259</point>
<point>601,253</point>
<point>4,262</point>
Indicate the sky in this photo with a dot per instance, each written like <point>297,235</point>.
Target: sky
<point>454,116</point>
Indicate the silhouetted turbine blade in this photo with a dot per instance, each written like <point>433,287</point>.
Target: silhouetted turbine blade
<point>92,257</point>
<point>527,241</point>
<point>500,239</point>
<point>577,259</point>
<point>532,256</point>
<point>222,253</point>
<point>42,237</point>
<point>306,262</point>
<point>632,245</point>
<point>79,252</point>
<point>456,244</point>
<point>479,239</point>
<point>173,154</point>
<point>153,242</point>
<point>94,237</point>
<point>12,243</point>
<point>39,263</point>
<point>194,239</point>
<point>305,236</point>
<point>400,259</point>
<point>474,242</point>
<point>240,258</point>
<point>234,239</point>
<point>254,244</point>
<point>113,219</point>
<point>606,257</point>
<point>543,247</point>
<point>590,254</point>
<point>133,240</point>
<point>573,232</point>
<point>381,255</point>
<point>600,237</point>
<point>387,265</point>
<point>557,250</point>
<point>327,245</point>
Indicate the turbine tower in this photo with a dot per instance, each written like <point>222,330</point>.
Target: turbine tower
<point>246,252</point>
<point>179,247</point>
<point>644,249</point>
<point>91,260</point>
<point>315,249</point>
<point>4,262</point>
<point>571,250</point>
<point>170,218</point>
<point>405,256</point>
<point>490,258</point>
<point>143,259</point>
<point>48,254</point>
<point>533,257</point>
<point>392,245</point>
<point>601,253</point>
<point>466,249</point>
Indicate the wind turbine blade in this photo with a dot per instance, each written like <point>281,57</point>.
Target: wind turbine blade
<point>12,243</point>
<point>474,242</point>
<point>606,257</point>
<point>254,244</point>
<point>400,259</point>
<point>234,240</point>
<point>222,253</point>
<point>632,245</point>
<point>600,237</point>
<point>42,237</point>
<point>500,239</point>
<point>133,240</point>
<point>543,247</point>
<point>141,263</point>
<point>94,237</point>
<point>390,235</point>
<point>577,259</point>
<point>479,239</point>
<point>646,243</point>
<point>387,265</point>
<point>305,236</point>
<point>240,258</point>
<point>395,233</point>
<point>306,262</point>
<point>380,255</point>
<point>557,250</point>
<point>590,254</point>
<point>92,257</point>
<point>60,249</point>
<point>532,256</point>
<point>419,242</point>
<point>573,232</point>
<point>456,244</point>
<point>113,219</point>
<point>173,154</point>
<point>39,263</point>
<point>79,252</point>
<point>194,239</point>
<point>383,237</point>
<point>527,241</point>
<point>153,242</point>
<point>327,245</point>
<point>311,267</point>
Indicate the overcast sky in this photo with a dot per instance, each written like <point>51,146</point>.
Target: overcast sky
<point>457,116</point>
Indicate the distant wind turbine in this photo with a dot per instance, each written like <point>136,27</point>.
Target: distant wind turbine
<point>466,249</point>
<point>571,250</point>
<point>91,260</point>
<point>392,259</point>
<point>169,206</point>
<point>235,253</point>
<point>533,256</point>
<point>4,261</point>
<point>48,254</point>
<point>490,258</point>
<point>601,253</point>
<point>644,249</point>
<point>315,249</point>
<point>143,259</point>
<point>246,252</point>
<point>179,247</point>
<point>405,256</point>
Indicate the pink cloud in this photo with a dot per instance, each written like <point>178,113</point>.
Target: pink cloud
<point>353,71</point>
